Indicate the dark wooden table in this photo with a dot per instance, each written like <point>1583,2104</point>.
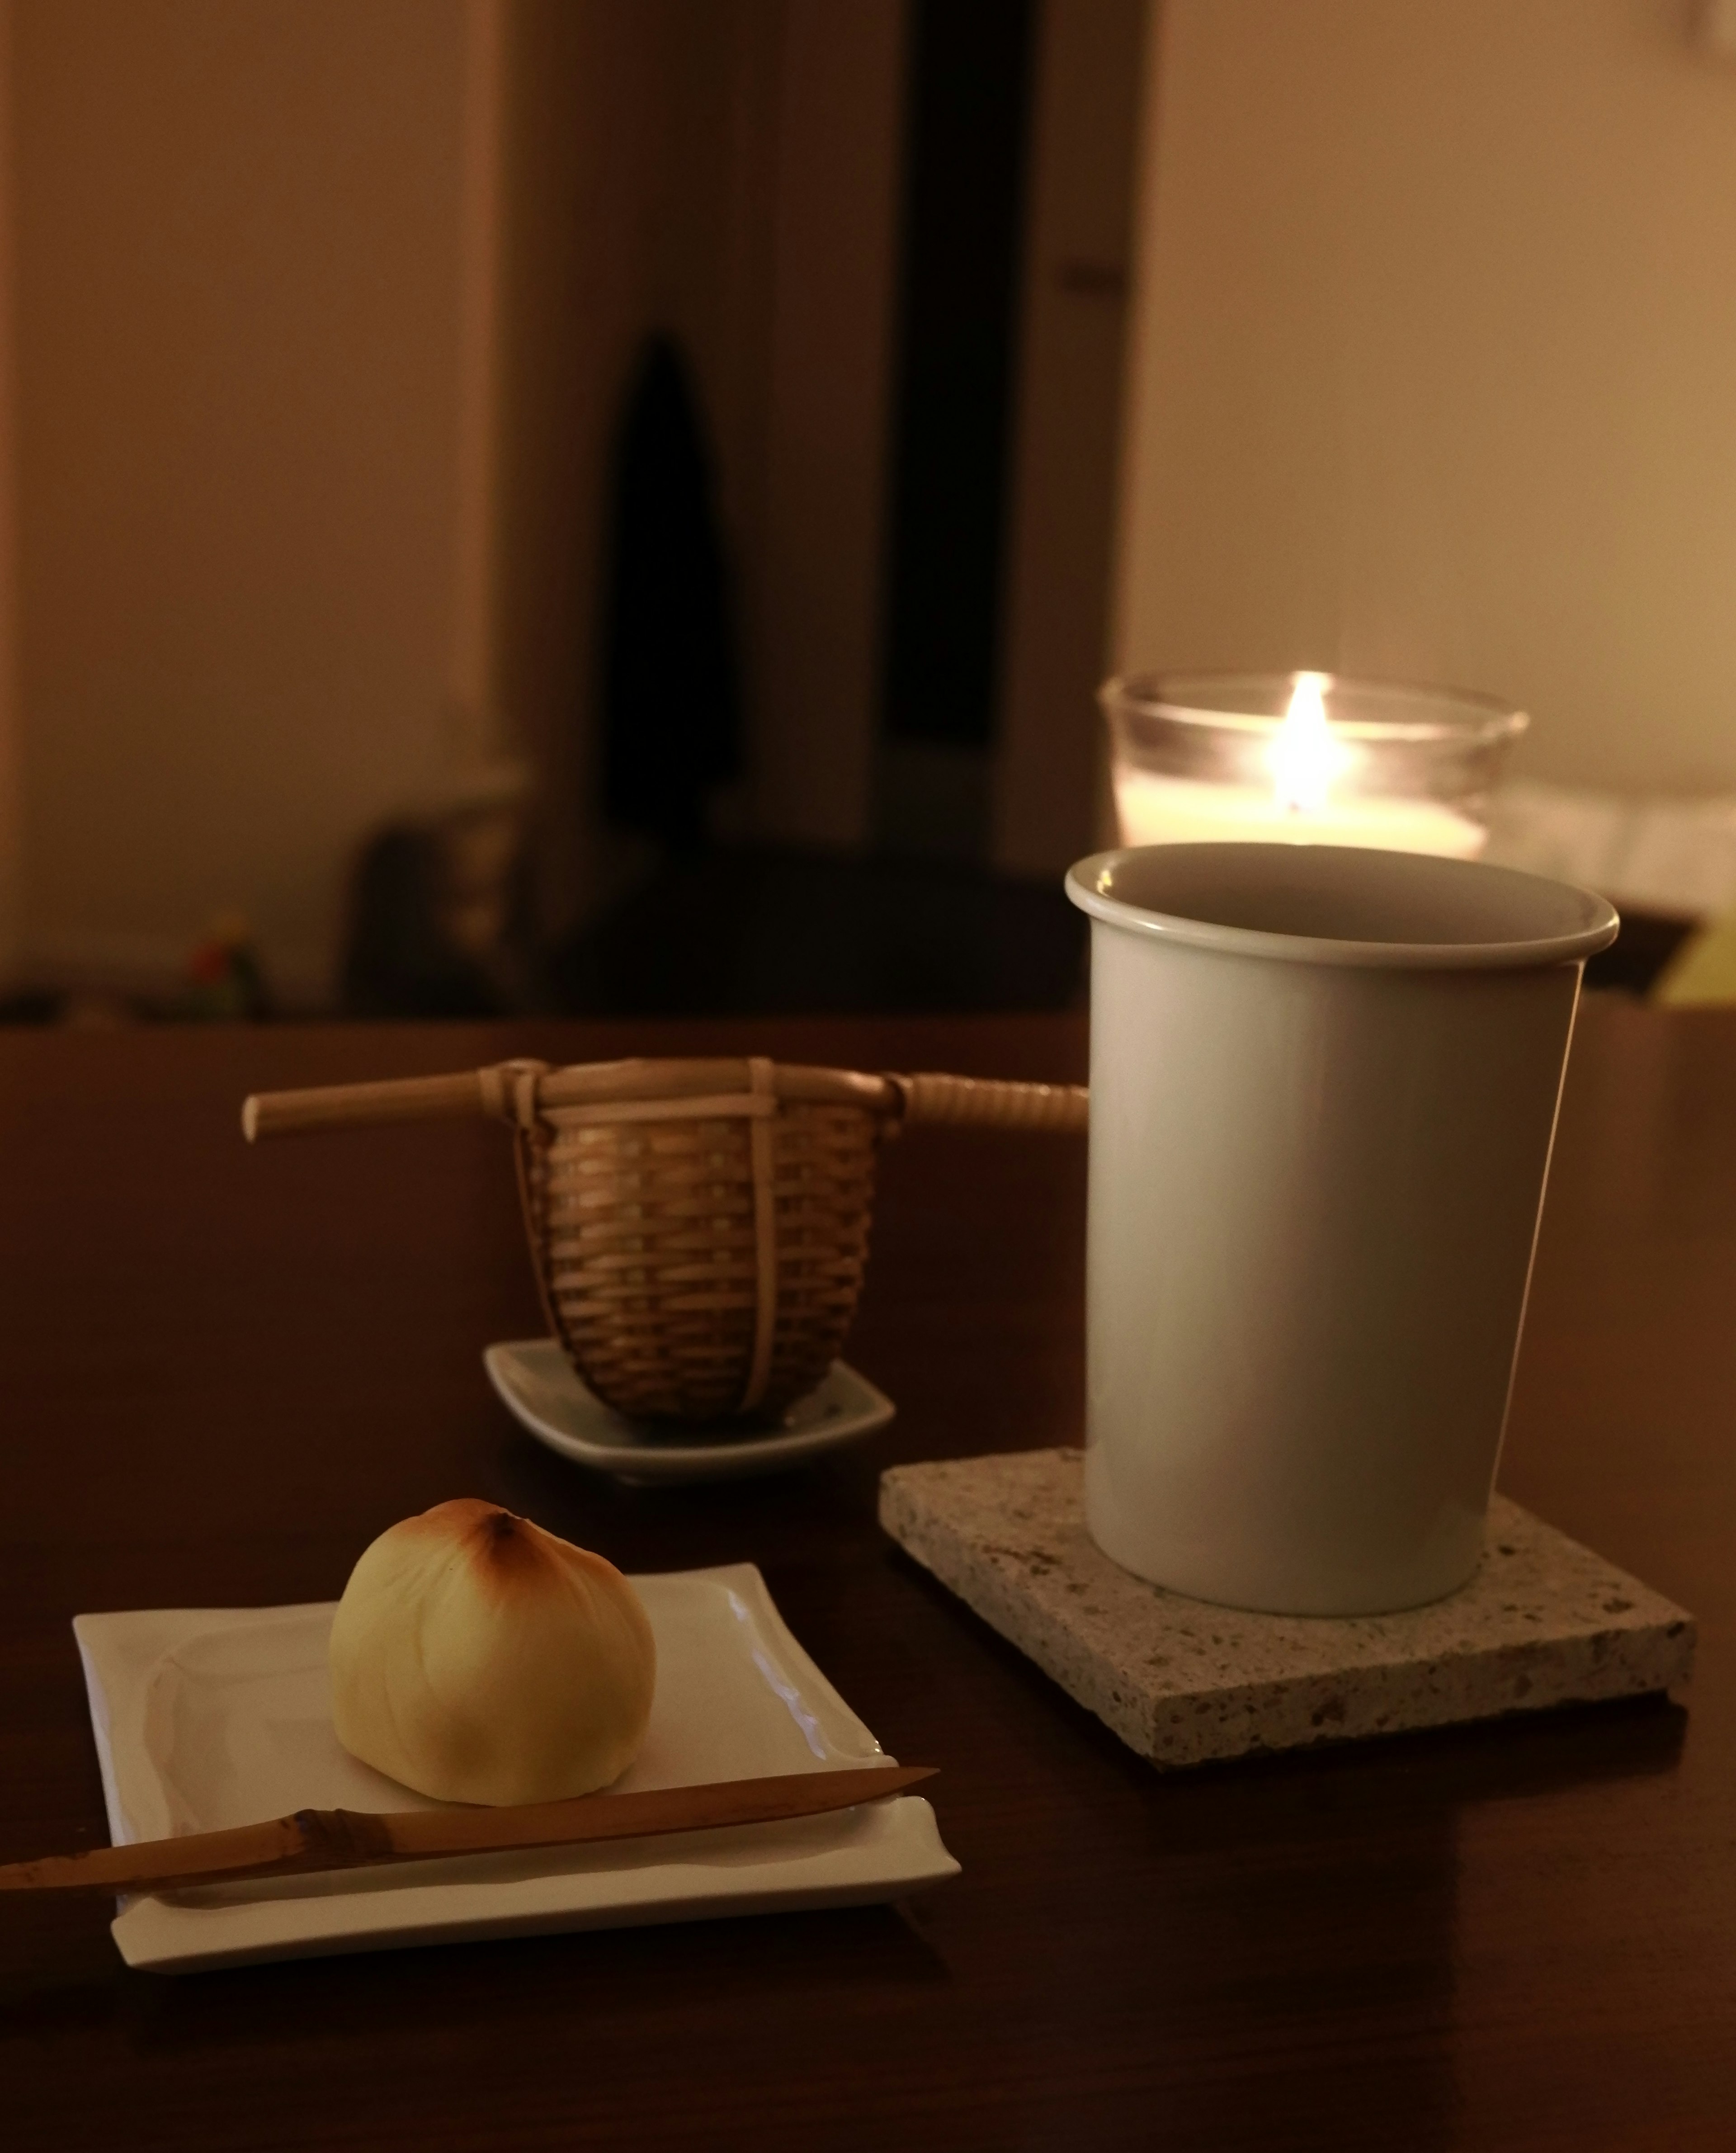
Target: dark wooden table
<point>223,1370</point>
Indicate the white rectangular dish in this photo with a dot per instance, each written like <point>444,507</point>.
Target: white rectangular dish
<point>205,1717</point>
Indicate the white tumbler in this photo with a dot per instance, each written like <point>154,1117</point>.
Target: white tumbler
<point>1323,1091</point>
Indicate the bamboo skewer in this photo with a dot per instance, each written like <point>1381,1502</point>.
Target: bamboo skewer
<point>314,1841</point>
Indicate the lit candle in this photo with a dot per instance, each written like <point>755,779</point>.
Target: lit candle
<point>1312,771</point>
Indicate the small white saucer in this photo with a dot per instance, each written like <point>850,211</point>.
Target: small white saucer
<point>537,1385</point>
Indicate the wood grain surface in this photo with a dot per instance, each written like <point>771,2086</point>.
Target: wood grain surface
<point>225,1369</point>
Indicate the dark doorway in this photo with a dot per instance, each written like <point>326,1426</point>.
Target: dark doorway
<point>967,130</point>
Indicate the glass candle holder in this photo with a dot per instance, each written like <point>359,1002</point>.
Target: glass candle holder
<point>1305,758</point>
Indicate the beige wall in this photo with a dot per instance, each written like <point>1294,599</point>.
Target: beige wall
<point>327,311</point>
<point>11,833</point>
<point>1067,435</point>
<point>239,260</point>
<point>329,308</point>
<point>1435,364</point>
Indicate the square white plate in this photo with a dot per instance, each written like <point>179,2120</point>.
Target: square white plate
<point>205,1717</point>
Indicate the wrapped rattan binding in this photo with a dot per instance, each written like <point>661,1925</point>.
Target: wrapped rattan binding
<point>698,1229</point>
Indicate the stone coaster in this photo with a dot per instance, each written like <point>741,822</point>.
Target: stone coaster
<point>1544,1621</point>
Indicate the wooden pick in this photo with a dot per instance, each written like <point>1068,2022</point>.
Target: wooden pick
<point>313,1840</point>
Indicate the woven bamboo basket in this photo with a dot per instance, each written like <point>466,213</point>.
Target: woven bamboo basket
<point>698,1229</point>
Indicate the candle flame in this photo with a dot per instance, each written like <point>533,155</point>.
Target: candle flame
<point>1305,754</point>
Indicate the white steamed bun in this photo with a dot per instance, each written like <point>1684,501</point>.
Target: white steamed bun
<point>477,1658</point>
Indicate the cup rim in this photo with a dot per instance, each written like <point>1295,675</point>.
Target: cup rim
<point>1454,713</point>
<point>1090,885</point>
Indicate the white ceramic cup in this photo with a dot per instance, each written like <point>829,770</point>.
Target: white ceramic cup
<point>1323,1092</point>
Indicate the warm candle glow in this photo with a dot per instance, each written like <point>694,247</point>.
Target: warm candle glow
<point>1307,754</point>
<point>1257,760</point>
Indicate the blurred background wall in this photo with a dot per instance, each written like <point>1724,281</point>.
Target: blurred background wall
<point>316,318</point>
<point>324,313</point>
<point>12,857</point>
<point>727,171</point>
<point>239,281</point>
<point>1435,365</point>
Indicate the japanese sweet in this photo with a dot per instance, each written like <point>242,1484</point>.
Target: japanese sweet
<point>477,1658</point>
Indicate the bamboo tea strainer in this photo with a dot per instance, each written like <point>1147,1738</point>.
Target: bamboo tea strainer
<point>698,1229</point>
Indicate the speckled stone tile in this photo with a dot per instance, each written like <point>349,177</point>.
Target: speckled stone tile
<point>1544,1621</point>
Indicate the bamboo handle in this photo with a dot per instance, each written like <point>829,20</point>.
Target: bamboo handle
<point>991,1102</point>
<point>511,1090</point>
<point>342,1105</point>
